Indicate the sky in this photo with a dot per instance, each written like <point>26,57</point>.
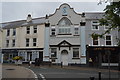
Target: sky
<point>18,10</point>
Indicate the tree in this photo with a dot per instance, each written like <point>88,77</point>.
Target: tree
<point>112,19</point>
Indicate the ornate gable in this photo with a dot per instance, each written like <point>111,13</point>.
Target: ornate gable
<point>64,43</point>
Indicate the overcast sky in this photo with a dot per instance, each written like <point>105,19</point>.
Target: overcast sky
<point>12,11</point>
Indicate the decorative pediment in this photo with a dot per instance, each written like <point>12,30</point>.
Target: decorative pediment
<point>64,43</point>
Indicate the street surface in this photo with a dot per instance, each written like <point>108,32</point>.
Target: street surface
<point>73,73</point>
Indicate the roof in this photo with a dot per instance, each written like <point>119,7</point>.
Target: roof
<point>94,15</point>
<point>20,23</point>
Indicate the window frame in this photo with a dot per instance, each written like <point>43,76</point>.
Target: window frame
<point>78,53</point>
<point>94,24</point>
<point>35,29</point>
<point>13,43</point>
<point>53,31</point>
<point>7,43</point>
<point>8,32</point>
<point>55,53</point>
<point>98,39</point>
<point>27,43</point>
<point>28,30</point>
<point>76,27</point>
<point>14,32</point>
<point>108,40</point>
<point>34,41</point>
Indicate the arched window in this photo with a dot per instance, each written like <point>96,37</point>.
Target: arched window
<point>64,26</point>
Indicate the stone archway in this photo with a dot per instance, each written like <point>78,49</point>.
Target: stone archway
<point>64,57</point>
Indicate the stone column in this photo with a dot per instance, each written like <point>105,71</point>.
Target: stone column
<point>82,40</point>
<point>46,43</point>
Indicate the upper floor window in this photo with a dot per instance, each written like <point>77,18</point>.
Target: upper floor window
<point>53,31</point>
<point>64,26</point>
<point>95,25</point>
<point>7,43</point>
<point>75,52</point>
<point>53,52</point>
<point>13,43</point>
<point>108,40</point>
<point>95,41</point>
<point>27,42</point>
<point>76,29</point>
<point>35,29</point>
<point>28,30</point>
<point>34,41</point>
<point>106,27</point>
<point>8,32</point>
<point>14,32</point>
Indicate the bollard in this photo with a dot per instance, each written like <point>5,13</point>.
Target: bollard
<point>61,64</point>
<point>99,75</point>
<point>92,78</point>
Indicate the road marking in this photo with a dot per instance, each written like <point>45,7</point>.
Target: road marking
<point>43,68</point>
<point>33,73</point>
<point>42,76</point>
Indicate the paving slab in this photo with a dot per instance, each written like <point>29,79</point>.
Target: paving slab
<point>14,71</point>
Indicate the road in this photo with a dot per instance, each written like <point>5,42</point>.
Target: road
<point>55,73</point>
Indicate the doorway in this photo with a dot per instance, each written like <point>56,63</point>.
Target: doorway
<point>64,57</point>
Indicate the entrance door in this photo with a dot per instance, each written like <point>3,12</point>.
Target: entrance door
<point>41,56</point>
<point>64,57</point>
<point>29,56</point>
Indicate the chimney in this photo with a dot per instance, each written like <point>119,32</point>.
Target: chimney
<point>29,18</point>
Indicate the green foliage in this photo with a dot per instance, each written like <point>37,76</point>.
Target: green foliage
<point>111,18</point>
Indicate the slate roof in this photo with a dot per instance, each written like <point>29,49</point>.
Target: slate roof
<point>94,15</point>
<point>20,23</point>
<point>42,20</point>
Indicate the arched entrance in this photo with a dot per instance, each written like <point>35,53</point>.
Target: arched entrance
<point>64,57</point>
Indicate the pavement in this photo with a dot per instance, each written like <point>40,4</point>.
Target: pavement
<point>15,72</point>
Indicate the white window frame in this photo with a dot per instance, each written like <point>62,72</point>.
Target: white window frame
<point>53,31</point>
<point>7,43</point>
<point>14,32</point>
<point>98,42</point>
<point>27,30</point>
<point>35,29</point>
<point>64,30</point>
<point>97,24</point>
<point>35,42</point>
<point>27,42</point>
<point>111,39</point>
<point>8,32</point>
<point>52,52</point>
<point>105,27</point>
<point>13,43</point>
<point>76,31</point>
